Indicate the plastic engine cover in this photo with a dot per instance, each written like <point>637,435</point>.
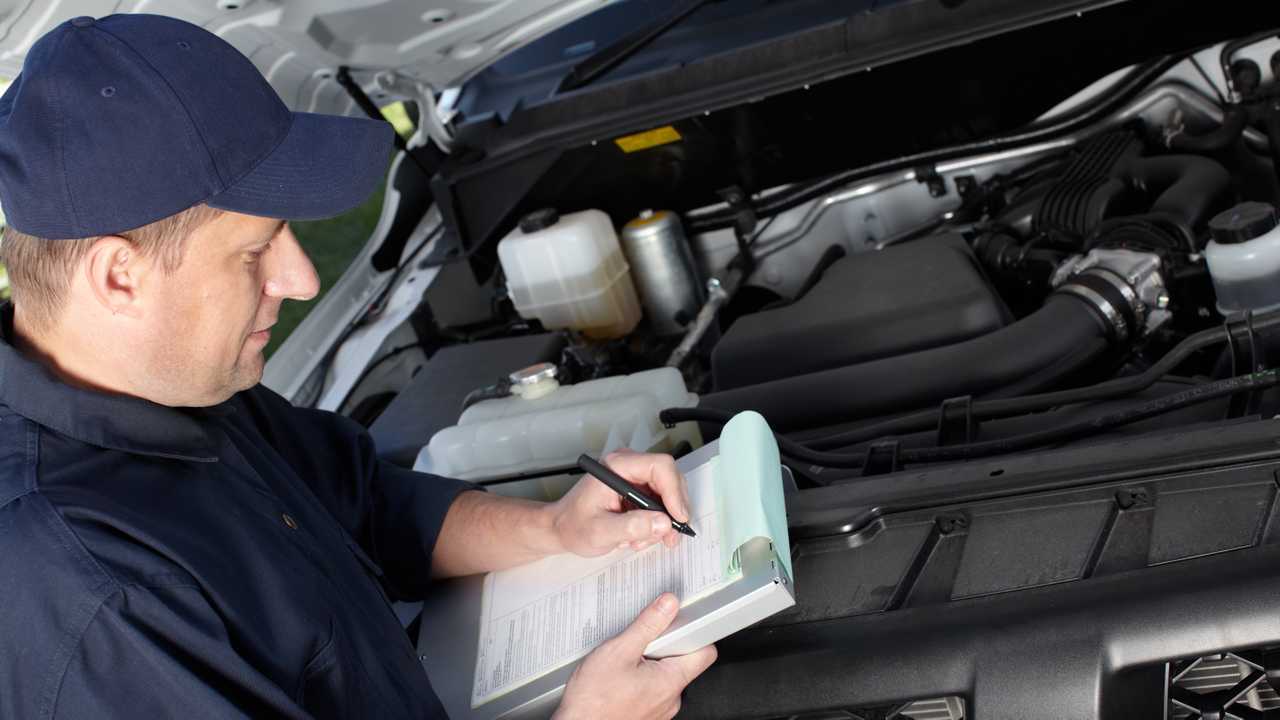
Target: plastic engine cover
<point>904,298</point>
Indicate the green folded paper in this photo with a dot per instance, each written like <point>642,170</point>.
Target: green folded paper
<point>748,476</point>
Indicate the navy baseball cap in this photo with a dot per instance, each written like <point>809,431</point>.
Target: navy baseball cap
<point>121,121</point>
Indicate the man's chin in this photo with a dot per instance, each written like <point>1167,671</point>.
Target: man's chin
<point>249,371</point>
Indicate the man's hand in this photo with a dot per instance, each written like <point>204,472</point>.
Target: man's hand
<point>616,681</point>
<point>590,521</point>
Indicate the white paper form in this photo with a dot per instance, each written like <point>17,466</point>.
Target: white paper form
<point>542,616</point>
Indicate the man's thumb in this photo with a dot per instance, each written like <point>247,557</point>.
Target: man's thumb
<point>636,526</point>
<point>652,621</point>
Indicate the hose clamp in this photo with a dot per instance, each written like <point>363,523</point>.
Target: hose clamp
<point>1121,285</point>
<point>1109,312</point>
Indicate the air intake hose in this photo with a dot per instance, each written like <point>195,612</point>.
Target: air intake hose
<point>1076,326</point>
<point>1190,186</point>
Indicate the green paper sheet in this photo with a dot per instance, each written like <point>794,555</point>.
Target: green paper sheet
<point>748,475</point>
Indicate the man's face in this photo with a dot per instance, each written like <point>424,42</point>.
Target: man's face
<point>211,318</point>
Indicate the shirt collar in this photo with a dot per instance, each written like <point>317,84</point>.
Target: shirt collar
<point>114,422</point>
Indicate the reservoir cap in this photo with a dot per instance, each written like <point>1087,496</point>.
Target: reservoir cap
<point>1243,223</point>
<point>539,220</point>
<point>534,381</point>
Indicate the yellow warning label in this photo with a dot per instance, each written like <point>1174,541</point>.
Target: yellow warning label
<point>647,139</point>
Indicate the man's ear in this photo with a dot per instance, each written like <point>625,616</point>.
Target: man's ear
<point>115,272</point>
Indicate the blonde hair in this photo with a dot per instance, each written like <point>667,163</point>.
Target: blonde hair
<point>40,269</point>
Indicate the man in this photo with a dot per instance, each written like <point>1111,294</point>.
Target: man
<point>175,539</point>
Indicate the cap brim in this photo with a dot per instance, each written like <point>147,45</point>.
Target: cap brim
<point>325,166</point>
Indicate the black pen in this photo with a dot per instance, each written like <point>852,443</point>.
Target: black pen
<point>614,481</point>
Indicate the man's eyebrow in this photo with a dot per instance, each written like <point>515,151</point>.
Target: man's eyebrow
<point>266,239</point>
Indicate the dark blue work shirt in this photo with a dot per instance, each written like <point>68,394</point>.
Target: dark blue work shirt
<point>225,562</point>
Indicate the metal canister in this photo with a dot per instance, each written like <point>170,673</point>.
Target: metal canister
<point>663,270</point>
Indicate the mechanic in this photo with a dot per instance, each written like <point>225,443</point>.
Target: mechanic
<point>175,539</point>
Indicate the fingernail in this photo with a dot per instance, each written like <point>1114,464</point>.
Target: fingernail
<point>667,604</point>
<point>659,524</point>
<point>623,544</point>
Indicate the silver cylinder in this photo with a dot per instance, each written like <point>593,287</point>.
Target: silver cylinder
<point>663,270</point>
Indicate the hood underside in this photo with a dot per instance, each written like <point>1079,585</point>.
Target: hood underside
<point>403,49</point>
<point>299,44</point>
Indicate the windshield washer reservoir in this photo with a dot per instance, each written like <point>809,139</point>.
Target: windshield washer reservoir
<point>519,435</point>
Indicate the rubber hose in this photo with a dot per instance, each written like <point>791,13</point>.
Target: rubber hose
<point>1273,134</point>
<point>1049,436</point>
<point>1189,186</point>
<point>1233,124</point>
<point>974,367</point>
<point>1009,407</point>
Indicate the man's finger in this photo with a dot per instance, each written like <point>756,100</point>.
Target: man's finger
<point>659,474</point>
<point>688,667</point>
<point>646,628</point>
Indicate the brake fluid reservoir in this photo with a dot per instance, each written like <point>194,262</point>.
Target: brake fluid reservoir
<point>569,272</point>
<point>662,266</point>
<point>1244,258</point>
<point>541,431</point>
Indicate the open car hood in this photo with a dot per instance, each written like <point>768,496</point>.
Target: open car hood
<point>299,44</point>
<point>403,49</point>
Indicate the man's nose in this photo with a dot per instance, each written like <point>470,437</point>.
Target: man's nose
<point>290,272</point>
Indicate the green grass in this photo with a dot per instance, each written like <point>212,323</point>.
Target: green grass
<point>331,244</point>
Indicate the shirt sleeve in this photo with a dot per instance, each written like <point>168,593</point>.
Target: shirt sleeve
<point>395,514</point>
<point>163,653</point>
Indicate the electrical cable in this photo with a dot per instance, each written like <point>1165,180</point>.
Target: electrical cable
<point>1022,174</point>
<point>1133,83</point>
<point>1009,407</point>
<point>1062,433</point>
<point>496,391</point>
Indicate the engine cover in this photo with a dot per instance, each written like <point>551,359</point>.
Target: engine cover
<point>904,298</point>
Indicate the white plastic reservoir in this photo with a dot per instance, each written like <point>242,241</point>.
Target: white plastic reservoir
<point>515,435</point>
<point>1244,258</point>
<point>569,272</point>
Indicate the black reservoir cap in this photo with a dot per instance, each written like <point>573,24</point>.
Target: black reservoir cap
<point>539,220</point>
<point>1243,223</point>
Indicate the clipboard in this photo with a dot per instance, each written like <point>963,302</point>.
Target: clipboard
<point>448,637</point>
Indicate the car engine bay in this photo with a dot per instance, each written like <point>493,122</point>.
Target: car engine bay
<point>952,310</point>
<point>962,352</point>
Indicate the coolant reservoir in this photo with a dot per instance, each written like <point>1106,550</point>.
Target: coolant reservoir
<point>569,272</point>
<point>537,431</point>
<point>1244,258</point>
